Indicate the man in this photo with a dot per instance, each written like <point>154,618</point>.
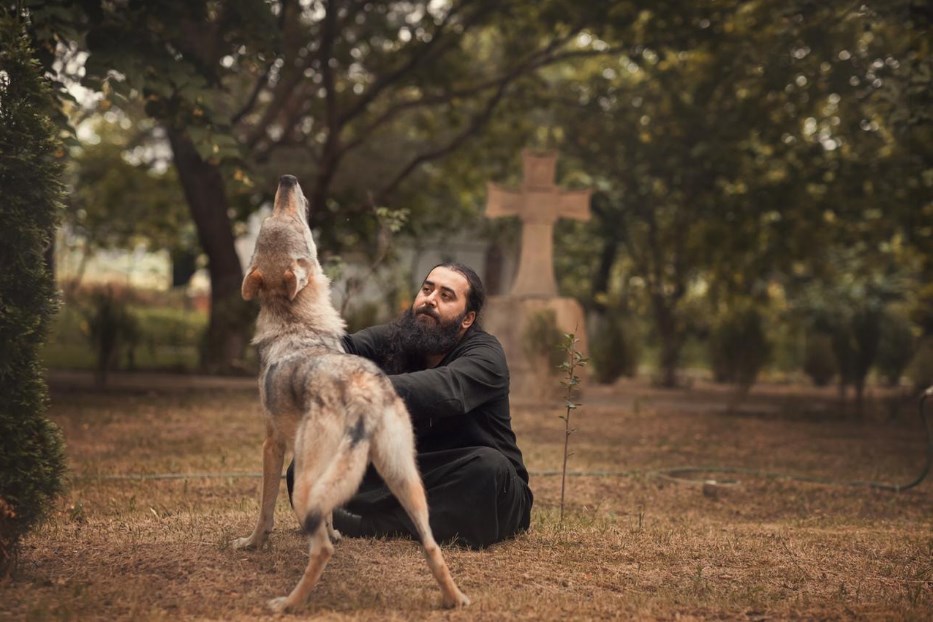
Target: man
<point>454,379</point>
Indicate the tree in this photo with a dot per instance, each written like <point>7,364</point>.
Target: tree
<point>666,167</point>
<point>326,90</point>
<point>114,203</point>
<point>31,451</point>
<point>735,149</point>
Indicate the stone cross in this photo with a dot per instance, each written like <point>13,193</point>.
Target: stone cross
<point>539,203</point>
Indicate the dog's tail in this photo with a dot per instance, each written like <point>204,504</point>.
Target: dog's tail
<point>336,476</point>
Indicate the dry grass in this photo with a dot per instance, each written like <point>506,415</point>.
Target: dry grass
<point>633,547</point>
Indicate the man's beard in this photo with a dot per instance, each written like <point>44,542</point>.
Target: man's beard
<point>418,336</point>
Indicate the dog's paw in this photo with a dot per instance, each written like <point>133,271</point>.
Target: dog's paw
<point>247,544</point>
<point>456,600</point>
<point>335,536</point>
<point>278,605</point>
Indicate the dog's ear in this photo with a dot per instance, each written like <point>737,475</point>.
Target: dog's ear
<point>252,283</point>
<point>296,277</point>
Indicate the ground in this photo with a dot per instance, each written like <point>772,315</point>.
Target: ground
<point>638,540</point>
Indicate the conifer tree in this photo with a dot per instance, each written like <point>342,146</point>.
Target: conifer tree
<point>31,448</point>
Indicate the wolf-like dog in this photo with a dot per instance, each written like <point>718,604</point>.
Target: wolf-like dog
<point>338,411</point>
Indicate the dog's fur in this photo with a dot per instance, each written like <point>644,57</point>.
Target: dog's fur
<point>338,411</point>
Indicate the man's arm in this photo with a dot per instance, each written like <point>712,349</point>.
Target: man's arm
<point>369,343</point>
<point>477,375</point>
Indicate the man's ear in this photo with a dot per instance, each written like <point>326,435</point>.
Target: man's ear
<point>468,320</point>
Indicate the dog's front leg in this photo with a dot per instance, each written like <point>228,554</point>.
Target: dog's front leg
<point>273,456</point>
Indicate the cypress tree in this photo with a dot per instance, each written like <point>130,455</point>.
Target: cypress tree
<point>31,447</point>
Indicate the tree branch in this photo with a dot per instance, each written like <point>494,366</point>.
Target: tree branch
<point>476,123</point>
<point>286,27</point>
<point>290,77</point>
<point>416,58</point>
<point>537,60</point>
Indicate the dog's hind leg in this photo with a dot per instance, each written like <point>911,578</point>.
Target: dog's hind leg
<point>315,497</point>
<point>394,457</point>
<point>273,456</point>
<point>320,553</point>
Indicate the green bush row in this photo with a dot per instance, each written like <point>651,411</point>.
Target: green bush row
<point>741,344</point>
<point>103,330</point>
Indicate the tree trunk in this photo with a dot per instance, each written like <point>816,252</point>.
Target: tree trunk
<point>671,344</point>
<point>230,317</point>
<point>859,396</point>
<point>601,280</point>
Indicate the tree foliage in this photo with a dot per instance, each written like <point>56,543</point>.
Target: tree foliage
<point>734,146</point>
<point>740,147</point>
<point>114,203</point>
<point>31,451</point>
<point>354,98</point>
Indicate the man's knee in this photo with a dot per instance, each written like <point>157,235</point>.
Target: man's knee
<point>489,463</point>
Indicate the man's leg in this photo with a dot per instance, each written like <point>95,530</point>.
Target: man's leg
<point>474,497</point>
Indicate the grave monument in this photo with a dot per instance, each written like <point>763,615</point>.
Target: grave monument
<point>539,203</point>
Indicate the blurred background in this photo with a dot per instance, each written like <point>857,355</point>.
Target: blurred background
<point>760,172</point>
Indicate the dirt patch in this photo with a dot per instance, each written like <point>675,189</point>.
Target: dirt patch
<point>755,545</point>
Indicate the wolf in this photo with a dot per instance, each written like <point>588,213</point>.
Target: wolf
<point>337,411</point>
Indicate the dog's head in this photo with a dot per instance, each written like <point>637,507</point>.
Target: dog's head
<point>285,258</point>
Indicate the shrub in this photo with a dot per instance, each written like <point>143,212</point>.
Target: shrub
<point>920,369</point>
<point>614,349</point>
<point>31,450</point>
<point>866,333</point>
<point>819,361</point>
<point>896,348</point>
<point>111,328</point>
<point>739,347</point>
<point>542,341</point>
<point>856,335</point>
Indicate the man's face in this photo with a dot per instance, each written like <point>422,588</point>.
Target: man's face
<point>442,300</point>
<point>438,317</point>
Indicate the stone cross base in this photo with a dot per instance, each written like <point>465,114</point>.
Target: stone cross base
<point>507,318</point>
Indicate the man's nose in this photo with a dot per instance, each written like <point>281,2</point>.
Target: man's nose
<point>431,299</point>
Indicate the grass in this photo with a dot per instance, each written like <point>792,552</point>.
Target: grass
<point>634,547</point>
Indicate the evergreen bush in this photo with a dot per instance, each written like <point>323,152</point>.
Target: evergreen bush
<point>819,361</point>
<point>856,335</point>
<point>614,349</point>
<point>920,369</point>
<point>542,340</point>
<point>739,347</point>
<point>895,349</point>
<point>31,448</point>
<point>112,330</point>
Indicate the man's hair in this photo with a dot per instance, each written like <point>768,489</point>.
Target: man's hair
<point>476,297</point>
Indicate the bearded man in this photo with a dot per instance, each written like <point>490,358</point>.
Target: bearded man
<point>454,380</point>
